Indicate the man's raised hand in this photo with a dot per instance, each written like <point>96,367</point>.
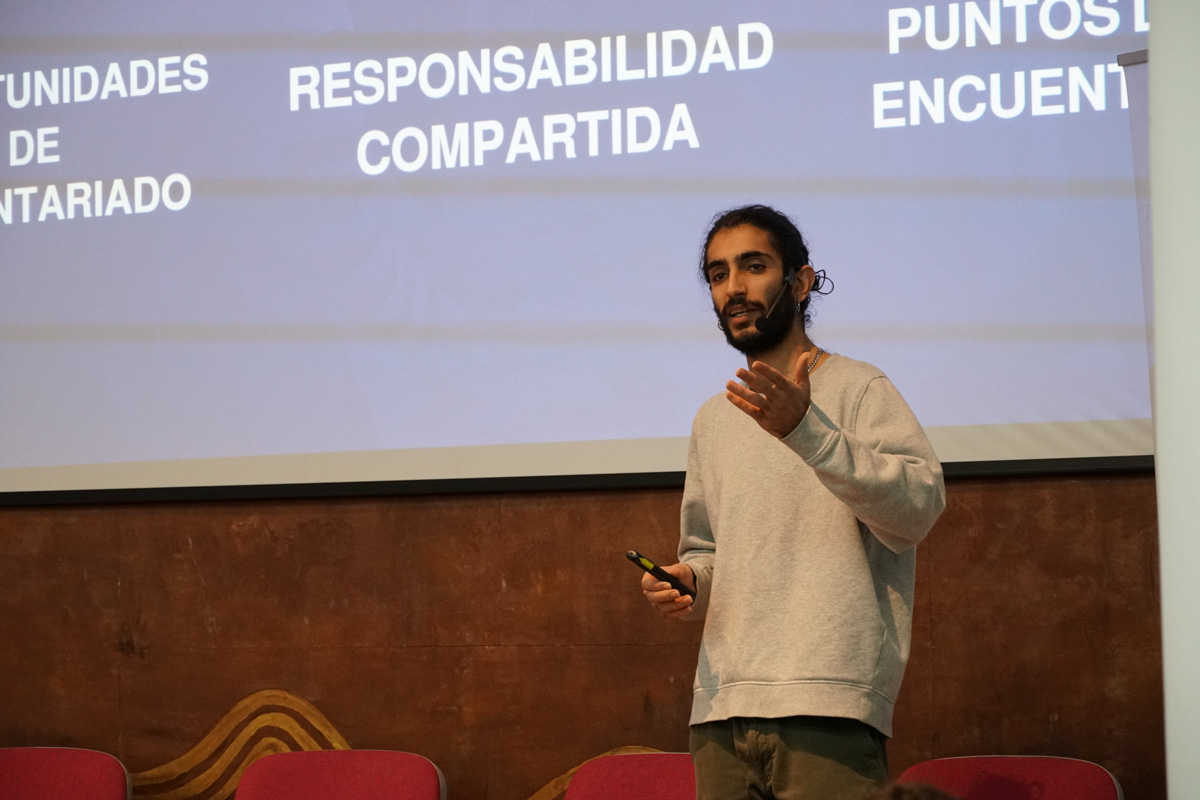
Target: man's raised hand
<point>775,401</point>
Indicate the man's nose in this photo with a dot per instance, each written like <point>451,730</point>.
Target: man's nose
<point>735,284</point>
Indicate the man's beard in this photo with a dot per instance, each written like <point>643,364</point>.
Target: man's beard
<point>752,342</point>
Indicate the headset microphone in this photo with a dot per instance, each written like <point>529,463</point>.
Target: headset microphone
<point>766,321</point>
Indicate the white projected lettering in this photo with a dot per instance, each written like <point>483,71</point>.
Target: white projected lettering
<point>22,147</point>
<point>1042,91</point>
<point>87,199</point>
<point>671,53</point>
<point>412,149</point>
<point>65,86</point>
<point>970,97</point>
<point>973,23</point>
<point>82,84</point>
<point>584,61</point>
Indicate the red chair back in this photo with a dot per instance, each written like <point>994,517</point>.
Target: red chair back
<point>1016,778</point>
<point>635,776</point>
<point>342,775</point>
<point>61,773</point>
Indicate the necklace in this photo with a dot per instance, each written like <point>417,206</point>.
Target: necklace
<point>816,358</point>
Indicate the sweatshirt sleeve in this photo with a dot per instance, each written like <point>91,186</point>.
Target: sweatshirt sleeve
<point>697,545</point>
<point>884,469</point>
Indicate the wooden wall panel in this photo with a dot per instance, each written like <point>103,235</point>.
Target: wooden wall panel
<point>59,659</point>
<point>565,561</point>
<point>914,733</point>
<point>503,635</point>
<point>231,575</point>
<point>1045,624</point>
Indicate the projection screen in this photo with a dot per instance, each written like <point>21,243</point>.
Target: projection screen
<point>291,243</point>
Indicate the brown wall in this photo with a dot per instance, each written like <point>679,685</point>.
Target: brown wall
<point>503,635</point>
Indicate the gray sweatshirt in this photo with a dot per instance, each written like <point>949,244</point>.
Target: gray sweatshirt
<point>802,549</point>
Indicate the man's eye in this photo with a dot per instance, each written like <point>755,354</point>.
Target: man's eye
<point>716,277</point>
<point>755,267</point>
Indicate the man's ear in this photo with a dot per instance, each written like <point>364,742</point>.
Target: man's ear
<point>802,285</point>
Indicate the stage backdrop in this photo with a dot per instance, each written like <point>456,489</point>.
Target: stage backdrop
<point>365,240</point>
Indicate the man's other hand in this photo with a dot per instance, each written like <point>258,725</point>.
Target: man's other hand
<point>669,602</point>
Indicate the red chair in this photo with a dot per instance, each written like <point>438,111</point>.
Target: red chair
<point>634,776</point>
<point>61,773</point>
<point>342,775</point>
<point>1016,778</point>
